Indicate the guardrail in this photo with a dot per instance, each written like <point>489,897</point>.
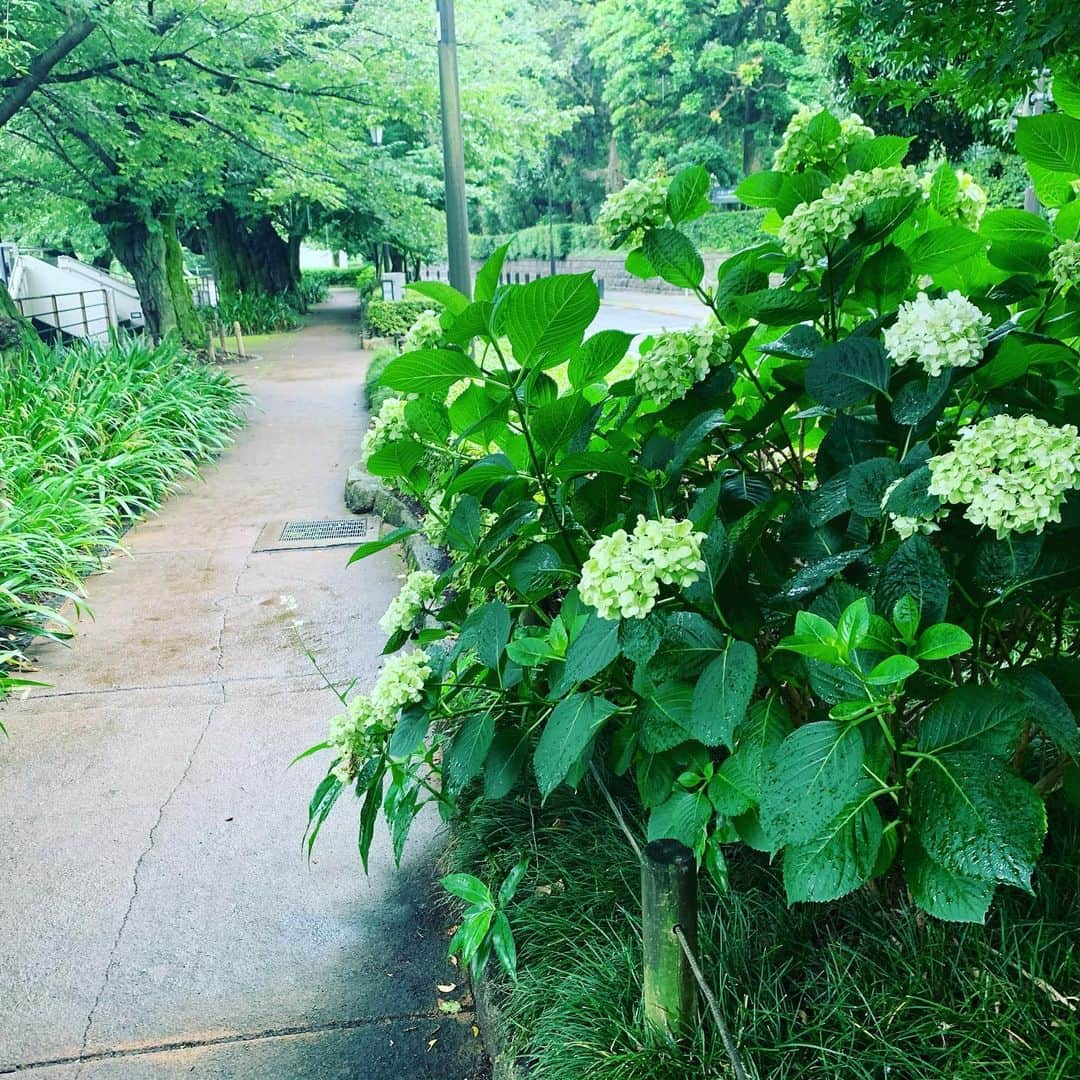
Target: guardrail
<point>83,314</point>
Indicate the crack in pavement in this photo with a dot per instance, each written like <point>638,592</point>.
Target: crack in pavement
<point>151,839</point>
<point>284,1032</point>
<point>224,602</point>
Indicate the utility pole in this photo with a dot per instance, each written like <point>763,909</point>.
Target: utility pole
<point>457,215</point>
<point>551,227</point>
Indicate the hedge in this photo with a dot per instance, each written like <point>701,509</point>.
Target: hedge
<point>392,318</point>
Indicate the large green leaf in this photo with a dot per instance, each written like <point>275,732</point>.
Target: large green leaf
<point>467,753</point>
<point>1041,702</point>
<point>878,153</point>
<point>941,248</point>
<point>674,257</point>
<point>840,857</point>
<point>597,356</point>
<point>682,817</point>
<point>395,459</point>
<point>487,630</point>
<point>915,569</point>
<point>487,278</point>
<point>1051,141</point>
<point>810,779</point>
<point>972,718</point>
<point>847,372</point>
<point>733,789</point>
<point>689,642</point>
<point>556,423</point>
<point>766,726</point>
<point>664,716</point>
<point>688,194</point>
<point>595,646</point>
<point>761,188</point>
<point>944,188</point>
<point>977,818</point>
<point>428,371</point>
<point>867,483</point>
<point>1019,241</point>
<point>571,727</point>
<point>505,760</point>
<point>455,302</point>
<point>722,694</point>
<point>547,319</point>
<point>942,893</point>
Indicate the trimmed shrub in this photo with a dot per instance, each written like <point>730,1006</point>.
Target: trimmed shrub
<point>392,318</point>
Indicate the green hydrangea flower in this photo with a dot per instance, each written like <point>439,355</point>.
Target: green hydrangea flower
<point>622,576</point>
<point>640,205</point>
<point>416,593</point>
<point>387,427</point>
<point>1065,264</point>
<point>677,360</point>
<point>1010,473</point>
<point>938,334</point>
<point>425,333</point>
<point>798,150</point>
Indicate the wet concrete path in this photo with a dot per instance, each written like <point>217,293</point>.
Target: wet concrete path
<point>157,918</point>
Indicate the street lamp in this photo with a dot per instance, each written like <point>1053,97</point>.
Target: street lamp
<point>376,134</point>
<point>457,216</point>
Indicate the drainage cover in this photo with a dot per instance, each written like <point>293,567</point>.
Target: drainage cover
<point>332,532</point>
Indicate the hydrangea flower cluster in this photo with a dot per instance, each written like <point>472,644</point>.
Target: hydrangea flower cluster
<point>677,360</point>
<point>387,427</point>
<point>1010,472</point>
<point>970,200</point>
<point>417,592</point>
<point>938,334</point>
<point>798,149</point>
<point>640,205</point>
<point>812,227</point>
<point>358,733</point>
<point>1065,263</point>
<point>425,333</point>
<point>622,576</point>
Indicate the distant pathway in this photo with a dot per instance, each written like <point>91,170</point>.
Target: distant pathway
<point>157,918</point>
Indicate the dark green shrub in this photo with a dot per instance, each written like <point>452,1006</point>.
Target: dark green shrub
<point>259,313</point>
<point>366,282</point>
<point>314,289</point>
<point>726,230</point>
<point>335,275</point>
<point>392,318</point>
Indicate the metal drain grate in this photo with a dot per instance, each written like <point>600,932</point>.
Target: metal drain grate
<point>342,529</point>
<point>291,535</point>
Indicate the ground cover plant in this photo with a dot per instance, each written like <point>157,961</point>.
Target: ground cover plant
<point>394,318</point>
<point>262,313</point>
<point>91,438</point>
<point>805,582</point>
<point>865,990</point>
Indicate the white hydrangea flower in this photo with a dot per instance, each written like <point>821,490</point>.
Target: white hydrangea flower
<point>797,149</point>
<point>938,334</point>
<point>971,200</point>
<point>425,333</point>
<point>416,593</point>
<point>400,683</point>
<point>386,427</point>
<point>440,510</point>
<point>1010,473</point>
<point>622,576</point>
<point>1065,264</point>
<point>813,227</point>
<point>640,205</point>
<point>672,548</point>
<point>354,736</point>
<point>677,360</point>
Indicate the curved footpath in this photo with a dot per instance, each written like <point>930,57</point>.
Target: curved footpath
<point>157,917</point>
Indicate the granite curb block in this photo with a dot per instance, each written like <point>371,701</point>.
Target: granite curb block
<point>366,495</point>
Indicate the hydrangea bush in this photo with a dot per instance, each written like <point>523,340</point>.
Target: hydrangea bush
<point>805,582</point>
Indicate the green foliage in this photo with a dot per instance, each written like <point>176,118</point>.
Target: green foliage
<point>393,318</point>
<point>484,927</point>
<point>717,231</point>
<point>91,438</point>
<point>871,989</point>
<point>335,275</point>
<point>792,602</point>
<point>374,392</point>
<point>314,289</point>
<point>258,313</point>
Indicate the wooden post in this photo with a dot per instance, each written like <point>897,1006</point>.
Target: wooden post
<point>211,352</point>
<point>239,340</point>
<point>668,899</point>
<point>221,335</point>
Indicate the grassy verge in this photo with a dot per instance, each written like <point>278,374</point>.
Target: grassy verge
<point>864,988</point>
<point>91,438</point>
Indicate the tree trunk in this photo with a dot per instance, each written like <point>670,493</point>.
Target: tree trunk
<point>13,327</point>
<point>148,248</point>
<point>250,256</point>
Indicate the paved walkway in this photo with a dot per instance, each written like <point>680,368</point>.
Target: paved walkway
<point>156,915</point>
